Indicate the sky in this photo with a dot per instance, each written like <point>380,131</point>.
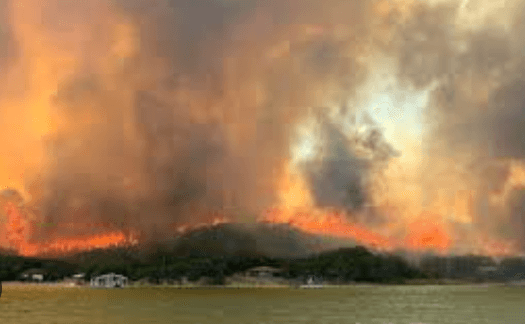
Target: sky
<point>399,113</point>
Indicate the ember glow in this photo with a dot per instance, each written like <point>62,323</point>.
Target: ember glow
<point>74,245</point>
<point>19,230</point>
<point>428,233</point>
<point>394,123</point>
<point>329,224</point>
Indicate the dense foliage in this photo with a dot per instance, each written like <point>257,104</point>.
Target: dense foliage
<point>338,266</point>
<point>344,265</point>
<point>354,264</point>
<point>11,267</point>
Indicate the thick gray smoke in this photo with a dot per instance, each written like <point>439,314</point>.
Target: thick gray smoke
<point>170,110</point>
<point>476,111</point>
<point>179,109</point>
<point>517,218</point>
<point>338,180</point>
<point>477,103</point>
<point>341,174</point>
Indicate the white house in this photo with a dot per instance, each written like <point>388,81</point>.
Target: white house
<point>263,272</point>
<point>79,276</point>
<point>36,275</point>
<point>110,280</point>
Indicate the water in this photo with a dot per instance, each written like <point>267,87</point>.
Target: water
<point>357,304</point>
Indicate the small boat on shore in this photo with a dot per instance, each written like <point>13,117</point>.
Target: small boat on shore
<point>312,282</point>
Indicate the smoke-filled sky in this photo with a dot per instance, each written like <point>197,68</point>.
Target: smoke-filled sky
<point>152,112</point>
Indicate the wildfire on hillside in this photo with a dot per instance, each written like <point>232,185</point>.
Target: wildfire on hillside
<point>427,234</point>
<point>19,229</point>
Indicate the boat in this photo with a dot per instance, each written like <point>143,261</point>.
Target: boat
<point>312,282</point>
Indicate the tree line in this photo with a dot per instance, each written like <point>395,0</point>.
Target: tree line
<point>343,265</point>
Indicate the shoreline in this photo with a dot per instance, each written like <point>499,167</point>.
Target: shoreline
<point>40,284</point>
<point>256,286</point>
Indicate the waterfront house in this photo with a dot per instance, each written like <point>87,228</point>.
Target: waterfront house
<point>36,275</point>
<point>79,278</point>
<point>263,272</point>
<point>110,280</point>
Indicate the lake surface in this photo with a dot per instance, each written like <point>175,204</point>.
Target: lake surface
<point>356,304</point>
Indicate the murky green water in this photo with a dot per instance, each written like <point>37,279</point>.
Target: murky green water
<point>379,304</point>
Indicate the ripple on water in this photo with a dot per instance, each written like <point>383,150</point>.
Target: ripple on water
<point>365,305</point>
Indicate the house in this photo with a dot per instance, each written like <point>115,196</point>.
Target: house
<point>263,272</point>
<point>79,276</point>
<point>34,274</point>
<point>76,280</point>
<point>110,280</point>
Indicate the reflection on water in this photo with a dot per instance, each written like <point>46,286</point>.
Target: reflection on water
<point>359,304</point>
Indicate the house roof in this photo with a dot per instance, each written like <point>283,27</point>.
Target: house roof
<point>34,271</point>
<point>110,274</point>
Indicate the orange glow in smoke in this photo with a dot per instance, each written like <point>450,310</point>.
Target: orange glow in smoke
<point>293,191</point>
<point>216,219</point>
<point>515,180</point>
<point>67,245</point>
<point>19,228</point>
<point>497,247</point>
<point>296,209</point>
<point>428,232</point>
<point>328,223</point>
<point>46,63</point>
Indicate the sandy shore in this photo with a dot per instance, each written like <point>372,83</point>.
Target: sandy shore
<point>43,284</point>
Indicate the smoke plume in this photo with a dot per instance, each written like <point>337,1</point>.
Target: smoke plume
<point>148,113</point>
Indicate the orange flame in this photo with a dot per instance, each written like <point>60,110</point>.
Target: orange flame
<point>181,229</point>
<point>65,246</point>
<point>329,223</point>
<point>428,233</point>
<point>68,245</point>
<point>296,209</point>
<point>46,65</point>
<point>19,229</point>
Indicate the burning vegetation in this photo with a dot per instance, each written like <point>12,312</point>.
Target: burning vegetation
<point>126,122</point>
